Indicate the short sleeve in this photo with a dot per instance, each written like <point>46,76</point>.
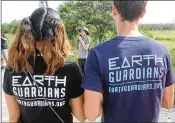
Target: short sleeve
<point>7,83</point>
<point>76,81</point>
<point>87,41</point>
<point>92,79</point>
<point>170,77</point>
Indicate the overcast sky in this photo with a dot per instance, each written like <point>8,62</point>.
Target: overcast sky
<point>157,11</point>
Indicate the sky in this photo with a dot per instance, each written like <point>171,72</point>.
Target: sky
<point>157,11</point>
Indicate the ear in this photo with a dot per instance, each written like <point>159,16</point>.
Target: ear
<point>143,13</point>
<point>114,10</point>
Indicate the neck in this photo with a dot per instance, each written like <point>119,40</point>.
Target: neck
<point>128,29</point>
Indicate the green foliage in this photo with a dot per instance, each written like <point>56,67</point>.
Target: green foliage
<point>5,28</point>
<point>95,15</point>
<point>11,38</point>
<point>163,34</point>
<point>172,53</point>
<point>146,31</point>
<point>167,26</point>
<point>11,27</point>
<point>73,58</point>
<point>170,45</point>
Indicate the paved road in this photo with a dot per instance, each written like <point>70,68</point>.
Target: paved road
<point>163,115</point>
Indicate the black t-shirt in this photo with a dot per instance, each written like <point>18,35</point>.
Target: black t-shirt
<point>58,90</point>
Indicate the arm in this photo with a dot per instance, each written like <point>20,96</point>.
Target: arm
<point>12,105</point>
<point>76,93</point>
<point>93,85</point>
<point>77,108</point>
<point>5,53</point>
<point>85,46</point>
<point>92,105</point>
<point>13,108</point>
<point>168,97</point>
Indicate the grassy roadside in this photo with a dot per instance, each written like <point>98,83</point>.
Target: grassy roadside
<point>169,43</point>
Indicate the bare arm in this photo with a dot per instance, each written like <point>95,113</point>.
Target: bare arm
<point>77,108</point>
<point>13,108</point>
<point>92,105</point>
<point>168,97</point>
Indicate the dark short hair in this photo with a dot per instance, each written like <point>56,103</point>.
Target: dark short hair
<point>130,10</point>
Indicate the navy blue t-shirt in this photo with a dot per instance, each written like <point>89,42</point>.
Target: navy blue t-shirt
<point>131,73</point>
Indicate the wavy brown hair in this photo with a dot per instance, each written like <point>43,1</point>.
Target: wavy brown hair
<point>54,53</point>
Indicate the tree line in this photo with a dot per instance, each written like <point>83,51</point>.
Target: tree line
<point>96,15</point>
<point>167,26</point>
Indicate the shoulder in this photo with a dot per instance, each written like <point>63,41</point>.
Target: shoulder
<point>103,46</point>
<point>157,44</point>
<point>71,65</point>
<point>71,68</point>
<point>87,38</point>
<point>9,70</point>
<point>8,74</point>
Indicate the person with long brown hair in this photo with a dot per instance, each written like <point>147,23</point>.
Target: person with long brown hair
<point>39,86</point>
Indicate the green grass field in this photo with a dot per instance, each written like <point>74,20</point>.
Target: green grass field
<point>166,37</point>
<point>10,39</point>
<point>164,34</point>
<point>169,44</point>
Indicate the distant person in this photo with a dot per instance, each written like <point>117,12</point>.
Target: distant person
<point>84,42</point>
<point>39,86</point>
<point>129,77</point>
<point>4,51</point>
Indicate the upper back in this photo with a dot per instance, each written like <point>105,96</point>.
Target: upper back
<point>58,89</point>
<point>131,72</point>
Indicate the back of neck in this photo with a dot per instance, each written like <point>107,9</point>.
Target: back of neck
<point>128,29</point>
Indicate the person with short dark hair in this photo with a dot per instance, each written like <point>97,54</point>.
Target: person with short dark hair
<point>83,47</point>
<point>129,77</point>
<point>39,86</point>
